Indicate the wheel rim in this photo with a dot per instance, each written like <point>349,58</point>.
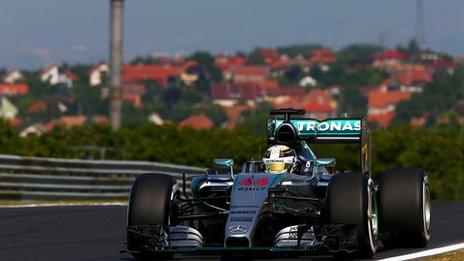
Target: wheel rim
<point>373,224</point>
<point>426,209</point>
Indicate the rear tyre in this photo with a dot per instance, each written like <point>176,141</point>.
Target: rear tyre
<point>351,200</point>
<point>404,207</point>
<point>149,204</point>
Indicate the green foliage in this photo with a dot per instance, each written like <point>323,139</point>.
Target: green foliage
<point>206,62</point>
<point>357,53</point>
<point>439,152</point>
<point>437,98</point>
<point>255,120</point>
<point>296,50</point>
<point>255,57</point>
<point>342,75</point>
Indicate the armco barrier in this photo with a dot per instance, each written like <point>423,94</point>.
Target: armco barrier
<point>52,178</point>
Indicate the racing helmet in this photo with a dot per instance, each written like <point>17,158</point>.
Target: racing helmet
<point>279,158</point>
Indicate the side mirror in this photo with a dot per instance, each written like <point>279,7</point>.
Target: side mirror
<point>326,162</point>
<point>225,163</point>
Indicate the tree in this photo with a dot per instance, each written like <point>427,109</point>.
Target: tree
<point>357,53</point>
<point>206,63</point>
<point>255,57</point>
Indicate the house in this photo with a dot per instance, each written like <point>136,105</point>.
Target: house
<point>197,122</point>
<point>189,72</point>
<point>132,92</point>
<point>100,120</point>
<point>280,97</point>
<point>269,55</point>
<point>14,89</point>
<point>13,76</point>
<point>228,94</point>
<point>54,75</point>
<point>322,56</point>
<point>98,73</point>
<point>412,78</point>
<point>308,81</point>
<point>250,74</point>
<point>317,103</point>
<point>37,107</point>
<point>225,62</point>
<point>389,60</point>
<point>233,114</point>
<point>161,74</point>
<point>382,104</point>
<point>7,109</point>
<point>390,55</point>
<point>69,122</point>
<point>33,130</point>
<point>155,119</point>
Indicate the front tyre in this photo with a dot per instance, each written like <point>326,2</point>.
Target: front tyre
<point>150,204</point>
<point>404,206</point>
<point>351,199</point>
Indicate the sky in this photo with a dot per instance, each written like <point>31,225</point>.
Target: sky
<point>39,33</point>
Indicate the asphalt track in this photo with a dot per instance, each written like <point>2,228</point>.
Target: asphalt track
<point>98,233</point>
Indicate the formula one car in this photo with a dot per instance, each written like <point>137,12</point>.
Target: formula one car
<point>290,203</point>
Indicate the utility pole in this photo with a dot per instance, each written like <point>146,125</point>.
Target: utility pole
<point>420,26</point>
<point>116,31</point>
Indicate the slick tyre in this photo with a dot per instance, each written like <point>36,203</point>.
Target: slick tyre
<point>150,203</point>
<point>351,200</point>
<point>404,208</point>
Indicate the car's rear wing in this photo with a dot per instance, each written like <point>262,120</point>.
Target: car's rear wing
<point>326,131</point>
<point>333,130</point>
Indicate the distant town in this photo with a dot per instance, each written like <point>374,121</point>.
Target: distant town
<point>205,91</point>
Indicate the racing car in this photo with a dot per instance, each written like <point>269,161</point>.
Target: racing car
<point>289,203</point>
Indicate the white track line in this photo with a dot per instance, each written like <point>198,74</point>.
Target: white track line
<point>103,204</point>
<point>430,252</point>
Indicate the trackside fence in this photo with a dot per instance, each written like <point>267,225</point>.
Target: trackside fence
<point>53,178</point>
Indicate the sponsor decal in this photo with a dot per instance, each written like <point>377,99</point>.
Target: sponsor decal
<point>247,182</point>
<point>238,229</point>
<point>241,219</point>
<point>252,189</point>
<point>331,125</point>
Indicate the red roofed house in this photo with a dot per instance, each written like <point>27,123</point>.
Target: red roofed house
<point>413,78</point>
<point>13,77</point>
<point>197,122</point>
<point>37,107</point>
<point>269,55</point>
<point>71,121</point>
<point>132,92</point>
<point>382,105</point>
<point>389,60</point>
<point>318,103</point>
<point>322,56</point>
<point>233,114</point>
<point>250,74</point>
<point>225,62</point>
<point>163,75</point>
<point>390,54</point>
<point>226,94</point>
<point>14,89</point>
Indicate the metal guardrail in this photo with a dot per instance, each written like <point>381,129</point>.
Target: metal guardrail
<point>53,178</point>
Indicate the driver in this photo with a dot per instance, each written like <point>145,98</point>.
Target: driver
<point>280,158</point>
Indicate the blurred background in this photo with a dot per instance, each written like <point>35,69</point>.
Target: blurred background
<point>198,79</point>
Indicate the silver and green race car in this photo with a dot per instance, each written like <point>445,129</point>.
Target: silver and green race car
<point>314,210</point>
